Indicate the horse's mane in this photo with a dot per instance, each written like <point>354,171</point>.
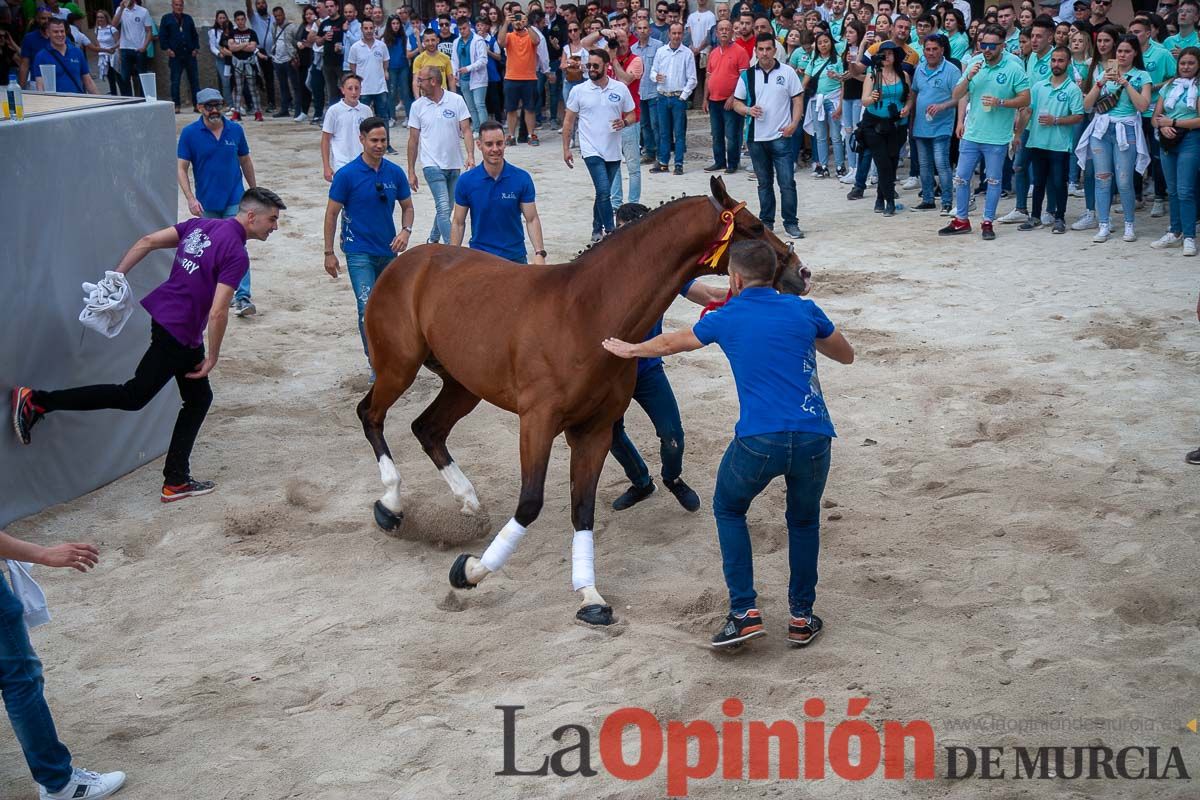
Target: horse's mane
<point>618,236</point>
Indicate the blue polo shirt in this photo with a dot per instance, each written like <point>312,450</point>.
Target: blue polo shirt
<point>368,199</point>
<point>769,339</point>
<point>647,364</point>
<point>934,86</point>
<point>69,79</point>
<point>495,205</point>
<point>214,159</point>
<point>32,44</point>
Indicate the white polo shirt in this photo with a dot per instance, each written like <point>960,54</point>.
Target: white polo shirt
<point>133,27</point>
<point>367,61</point>
<point>773,93</point>
<point>342,121</point>
<point>597,107</point>
<point>441,135</point>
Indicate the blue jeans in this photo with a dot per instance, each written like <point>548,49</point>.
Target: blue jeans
<point>934,154</point>
<point>650,127</point>
<point>1021,174</point>
<point>364,269</point>
<point>851,115</point>
<point>379,104</point>
<point>179,65</point>
<point>21,684</point>
<point>476,99</point>
<point>225,81</point>
<point>773,160</point>
<point>631,153</point>
<point>726,128</point>
<point>553,94</point>
<point>863,170</point>
<point>316,85</point>
<point>132,63</point>
<point>1111,161</point>
<point>1180,165</point>
<point>969,155</point>
<point>243,289</point>
<point>828,130</point>
<point>400,88</point>
<point>653,393</point>
<point>672,129</point>
<point>602,172</point>
<point>749,465</point>
<point>441,185</point>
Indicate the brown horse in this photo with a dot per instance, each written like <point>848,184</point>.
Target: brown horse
<point>528,340</point>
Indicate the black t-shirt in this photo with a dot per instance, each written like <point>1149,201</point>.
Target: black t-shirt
<point>336,24</point>
<point>240,37</point>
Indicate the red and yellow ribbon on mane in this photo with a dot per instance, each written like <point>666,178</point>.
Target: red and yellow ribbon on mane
<point>712,255</point>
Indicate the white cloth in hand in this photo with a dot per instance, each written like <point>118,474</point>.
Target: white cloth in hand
<point>107,305</point>
<point>32,598</point>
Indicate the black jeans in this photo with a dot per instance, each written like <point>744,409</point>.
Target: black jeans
<point>166,358</point>
<point>179,65</point>
<point>884,140</point>
<point>1050,179</point>
<point>289,88</point>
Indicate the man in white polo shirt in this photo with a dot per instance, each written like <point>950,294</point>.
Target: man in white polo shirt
<point>603,108</point>
<point>369,61</point>
<point>771,95</point>
<point>339,131</point>
<point>437,125</point>
<point>135,24</point>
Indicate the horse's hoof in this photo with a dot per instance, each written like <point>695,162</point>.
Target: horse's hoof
<point>386,519</point>
<point>458,573</point>
<point>595,614</point>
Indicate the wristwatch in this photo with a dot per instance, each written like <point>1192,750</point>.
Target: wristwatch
<point>541,253</point>
<point>407,229</point>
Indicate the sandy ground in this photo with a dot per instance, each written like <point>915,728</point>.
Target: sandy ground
<point>1014,535</point>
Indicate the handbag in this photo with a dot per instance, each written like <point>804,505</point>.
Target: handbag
<point>1107,102</point>
<point>1170,144</point>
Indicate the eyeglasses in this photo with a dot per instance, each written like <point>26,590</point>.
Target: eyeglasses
<point>1102,2</point>
<point>383,198</point>
<point>213,106</point>
<point>988,45</point>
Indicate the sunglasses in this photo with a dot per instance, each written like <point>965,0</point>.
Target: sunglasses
<point>383,198</point>
<point>988,45</point>
<point>214,106</point>
<point>573,29</point>
<point>1102,2</point>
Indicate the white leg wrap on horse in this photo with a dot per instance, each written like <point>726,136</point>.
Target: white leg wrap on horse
<point>503,546</point>
<point>391,481</point>
<point>462,488</point>
<point>583,572</point>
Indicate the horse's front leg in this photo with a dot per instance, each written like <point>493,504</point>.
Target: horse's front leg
<point>589,447</point>
<point>537,436</point>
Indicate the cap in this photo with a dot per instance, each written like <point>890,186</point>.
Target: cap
<point>889,45</point>
<point>208,96</point>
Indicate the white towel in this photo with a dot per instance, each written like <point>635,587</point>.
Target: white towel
<point>1182,89</point>
<point>107,305</point>
<point>815,111</point>
<point>32,598</point>
<point>1099,126</point>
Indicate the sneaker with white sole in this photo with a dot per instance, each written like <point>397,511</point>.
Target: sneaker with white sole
<point>1016,215</point>
<point>1102,234</point>
<point>1130,235</point>
<point>1168,240</point>
<point>1074,190</point>
<point>1159,208</point>
<point>910,184</point>
<point>1189,247</point>
<point>1087,221</point>
<point>85,785</point>
<point>1047,218</point>
<point>301,117</point>
<point>847,179</point>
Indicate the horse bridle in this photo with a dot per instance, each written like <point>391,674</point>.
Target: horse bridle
<point>714,251</point>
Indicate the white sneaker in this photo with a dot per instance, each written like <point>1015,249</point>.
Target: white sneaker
<point>1102,234</point>
<point>1075,190</point>
<point>1088,220</point>
<point>847,179</point>
<point>1047,218</point>
<point>1016,215</point>
<point>86,785</point>
<point>1189,247</point>
<point>1158,209</point>
<point>301,117</point>
<point>1168,240</point>
<point>874,180</point>
<point>910,183</point>
<point>1129,236</point>
<point>972,204</point>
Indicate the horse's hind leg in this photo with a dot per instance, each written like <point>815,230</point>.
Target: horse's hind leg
<point>589,447</point>
<point>433,427</point>
<point>372,409</point>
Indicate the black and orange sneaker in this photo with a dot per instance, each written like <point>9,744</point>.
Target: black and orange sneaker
<point>739,628</point>
<point>802,630</point>
<point>189,488</point>
<point>25,413</point>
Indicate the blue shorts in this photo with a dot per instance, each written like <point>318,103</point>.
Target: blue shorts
<point>518,92</point>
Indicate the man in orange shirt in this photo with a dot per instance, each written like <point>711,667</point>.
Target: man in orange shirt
<point>725,64</point>
<point>520,44</point>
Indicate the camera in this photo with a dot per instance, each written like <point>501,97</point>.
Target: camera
<point>878,60</point>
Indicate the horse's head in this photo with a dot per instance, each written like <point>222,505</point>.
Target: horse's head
<point>791,277</point>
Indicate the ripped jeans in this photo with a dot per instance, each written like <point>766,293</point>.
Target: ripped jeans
<point>1108,158</point>
<point>364,269</point>
<point>969,155</point>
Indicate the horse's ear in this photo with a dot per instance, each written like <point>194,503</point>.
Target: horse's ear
<point>718,192</point>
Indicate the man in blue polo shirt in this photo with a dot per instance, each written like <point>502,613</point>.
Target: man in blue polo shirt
<point>34,41</point>
<point>365,192</point>
<point>497,194</point>
<point>216,151</point>
<point>70,64</point>
<point>771,341</point>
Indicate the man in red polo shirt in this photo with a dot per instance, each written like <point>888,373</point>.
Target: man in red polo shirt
<point>725,64</point>
<point>744,32</point>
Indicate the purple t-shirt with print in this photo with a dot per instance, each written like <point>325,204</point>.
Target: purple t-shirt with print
<point>210,251</point>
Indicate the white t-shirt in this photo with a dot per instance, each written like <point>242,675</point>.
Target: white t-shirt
<point>699,25</point>
<point>368,61</point>
<point>440,131</point>
<point>773,94</point>
<point>597,107</point>
<point>134,22</point>
<point>342,122</point>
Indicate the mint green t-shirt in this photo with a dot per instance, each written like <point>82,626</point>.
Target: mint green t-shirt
<point>1137,79</point>
<point>960,43</point>
<point>799,60</point>
<point>1005,81</point>
<point>1012,42</point>
<point>1178,40</point>
<point>1161,65</point>
<point>1038,68</point>
<point>1063,101</point>
<point>1180,109</point>
<point>825,83</point>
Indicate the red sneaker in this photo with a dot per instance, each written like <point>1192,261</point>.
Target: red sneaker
<point>956,227</point>
<point>258,116</point>
<point>236,116</point>
<point>986,231</point>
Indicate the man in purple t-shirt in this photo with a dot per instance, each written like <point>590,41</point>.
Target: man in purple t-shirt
<point>210,261</point>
